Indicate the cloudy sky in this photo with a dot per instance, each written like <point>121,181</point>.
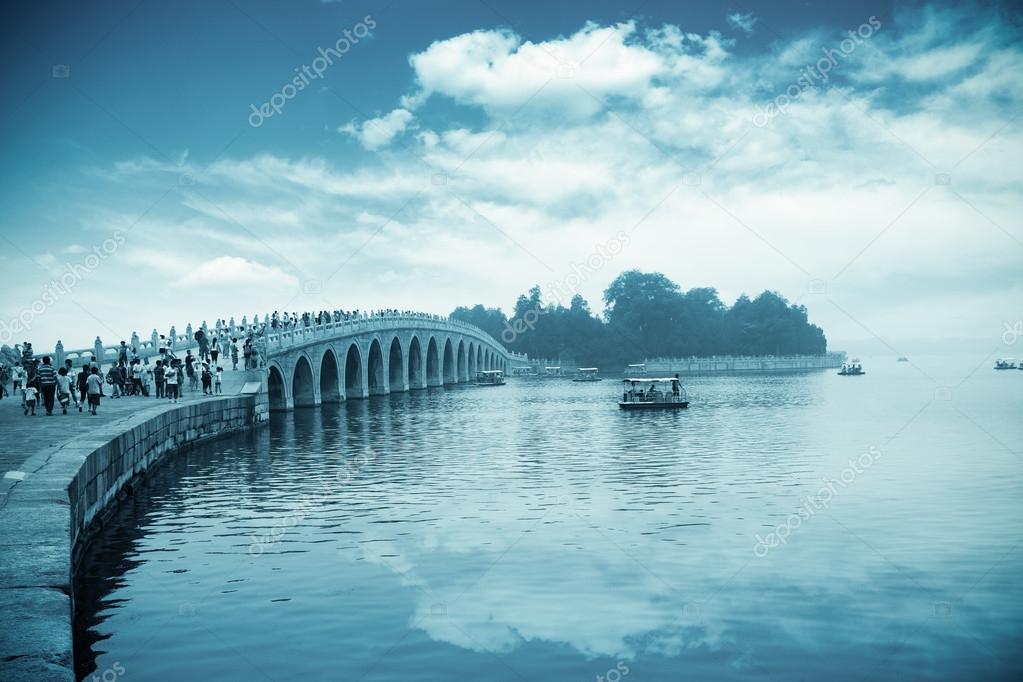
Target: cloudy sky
<point>174,162</point>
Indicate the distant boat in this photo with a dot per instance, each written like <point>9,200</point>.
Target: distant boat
<point>659,395</point>
<point>853,368</point>
<point>490,377</point>
<point>902,358</point>
<point>554,371</point>
<point>1005,364</point>
<point>586,374</point>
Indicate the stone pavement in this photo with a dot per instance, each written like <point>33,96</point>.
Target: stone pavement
<point>22,436</point>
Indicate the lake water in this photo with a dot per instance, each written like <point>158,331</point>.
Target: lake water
<point>535,532</point>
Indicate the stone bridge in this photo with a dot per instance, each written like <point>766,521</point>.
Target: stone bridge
<point>362,355</point>
<point>374,356</point>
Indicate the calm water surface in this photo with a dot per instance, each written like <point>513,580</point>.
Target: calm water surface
<point>534,532</point>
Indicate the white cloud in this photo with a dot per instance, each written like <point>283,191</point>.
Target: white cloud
<point>375,133</point>
<point>234,272</point>
<point>575,76</point>
<point>742,21</point>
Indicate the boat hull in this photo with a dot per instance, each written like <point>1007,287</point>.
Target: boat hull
<point>654,406</point>
<point>586,381</point>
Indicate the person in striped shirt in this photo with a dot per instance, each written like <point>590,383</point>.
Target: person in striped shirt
<point>46,376</point>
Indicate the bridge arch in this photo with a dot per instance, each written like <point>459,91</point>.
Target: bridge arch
<point>396,376</point>
<point>355,386</point>
<point>471,360</point>
<point>330,378</point>
<point>376,375</point>
<point>433,375</point>
<point>449,363</point>
<point>278,394</point>
<point>302,390</point>
<point>479,358</point>
<point>462,366</point>
<point>416,377</point>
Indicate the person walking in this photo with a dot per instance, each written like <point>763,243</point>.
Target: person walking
<point>147,378</point>
<point>18,378</point>
<point>214,350</point>
<point>83,384</point>
<point>46,377</point>
<point>29,399</point>
<point>218,380</point>
<point>5,376</point>
<point>65,392</point>
<point>207,380</point>
<point>95,389</point>
<point>114,379</point>
<point>159,374</point>
<point>234,354</point>
<point>173,378</point>
<point>136,377</point>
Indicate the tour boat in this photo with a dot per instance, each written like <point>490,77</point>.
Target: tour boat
<point>553,372</point>
<point>853,368</point>
<point>1006,364</point>
<point>642,393</point>
<point>490,377</point>
<point>636,370</point>
<point>587,374</point>
<point>523,371</point>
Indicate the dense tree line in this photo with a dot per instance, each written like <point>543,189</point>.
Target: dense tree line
<point>646,315</point>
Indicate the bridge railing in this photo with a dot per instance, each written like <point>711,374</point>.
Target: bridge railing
<point>264,332</point>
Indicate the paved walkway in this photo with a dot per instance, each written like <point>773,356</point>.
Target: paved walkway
<point>23,436</point>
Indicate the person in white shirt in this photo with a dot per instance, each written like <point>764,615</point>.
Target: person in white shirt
<point>65,394</point>
<point>217,379</point>
<point>172,378</point>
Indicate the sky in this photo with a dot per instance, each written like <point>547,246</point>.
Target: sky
<point>169,163</point>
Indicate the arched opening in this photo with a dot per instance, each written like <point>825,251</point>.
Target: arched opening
<point>353,373</point>
<point>449,363</point>
<point>463,367</point>
<point>330,386</point>
<point>375,365</point>
<point>302,384</point>
<point>479,359</point>
<point>395,367</point>
<point>472,360</point>
<point>275,384</point>
<point>433,377</point>
<point>415,365</point>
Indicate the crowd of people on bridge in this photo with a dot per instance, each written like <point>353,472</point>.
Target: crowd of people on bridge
<point>40,384</point>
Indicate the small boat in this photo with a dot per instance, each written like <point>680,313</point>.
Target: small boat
<point>553,372</point>
<point>490,377</point>
<point>524,371</point>
<point>1005,364</point>
<point>902,358</point>
<point>636,370</point>
<point>653,394</point>
<point>587,374</point>
<point>853,368</point>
